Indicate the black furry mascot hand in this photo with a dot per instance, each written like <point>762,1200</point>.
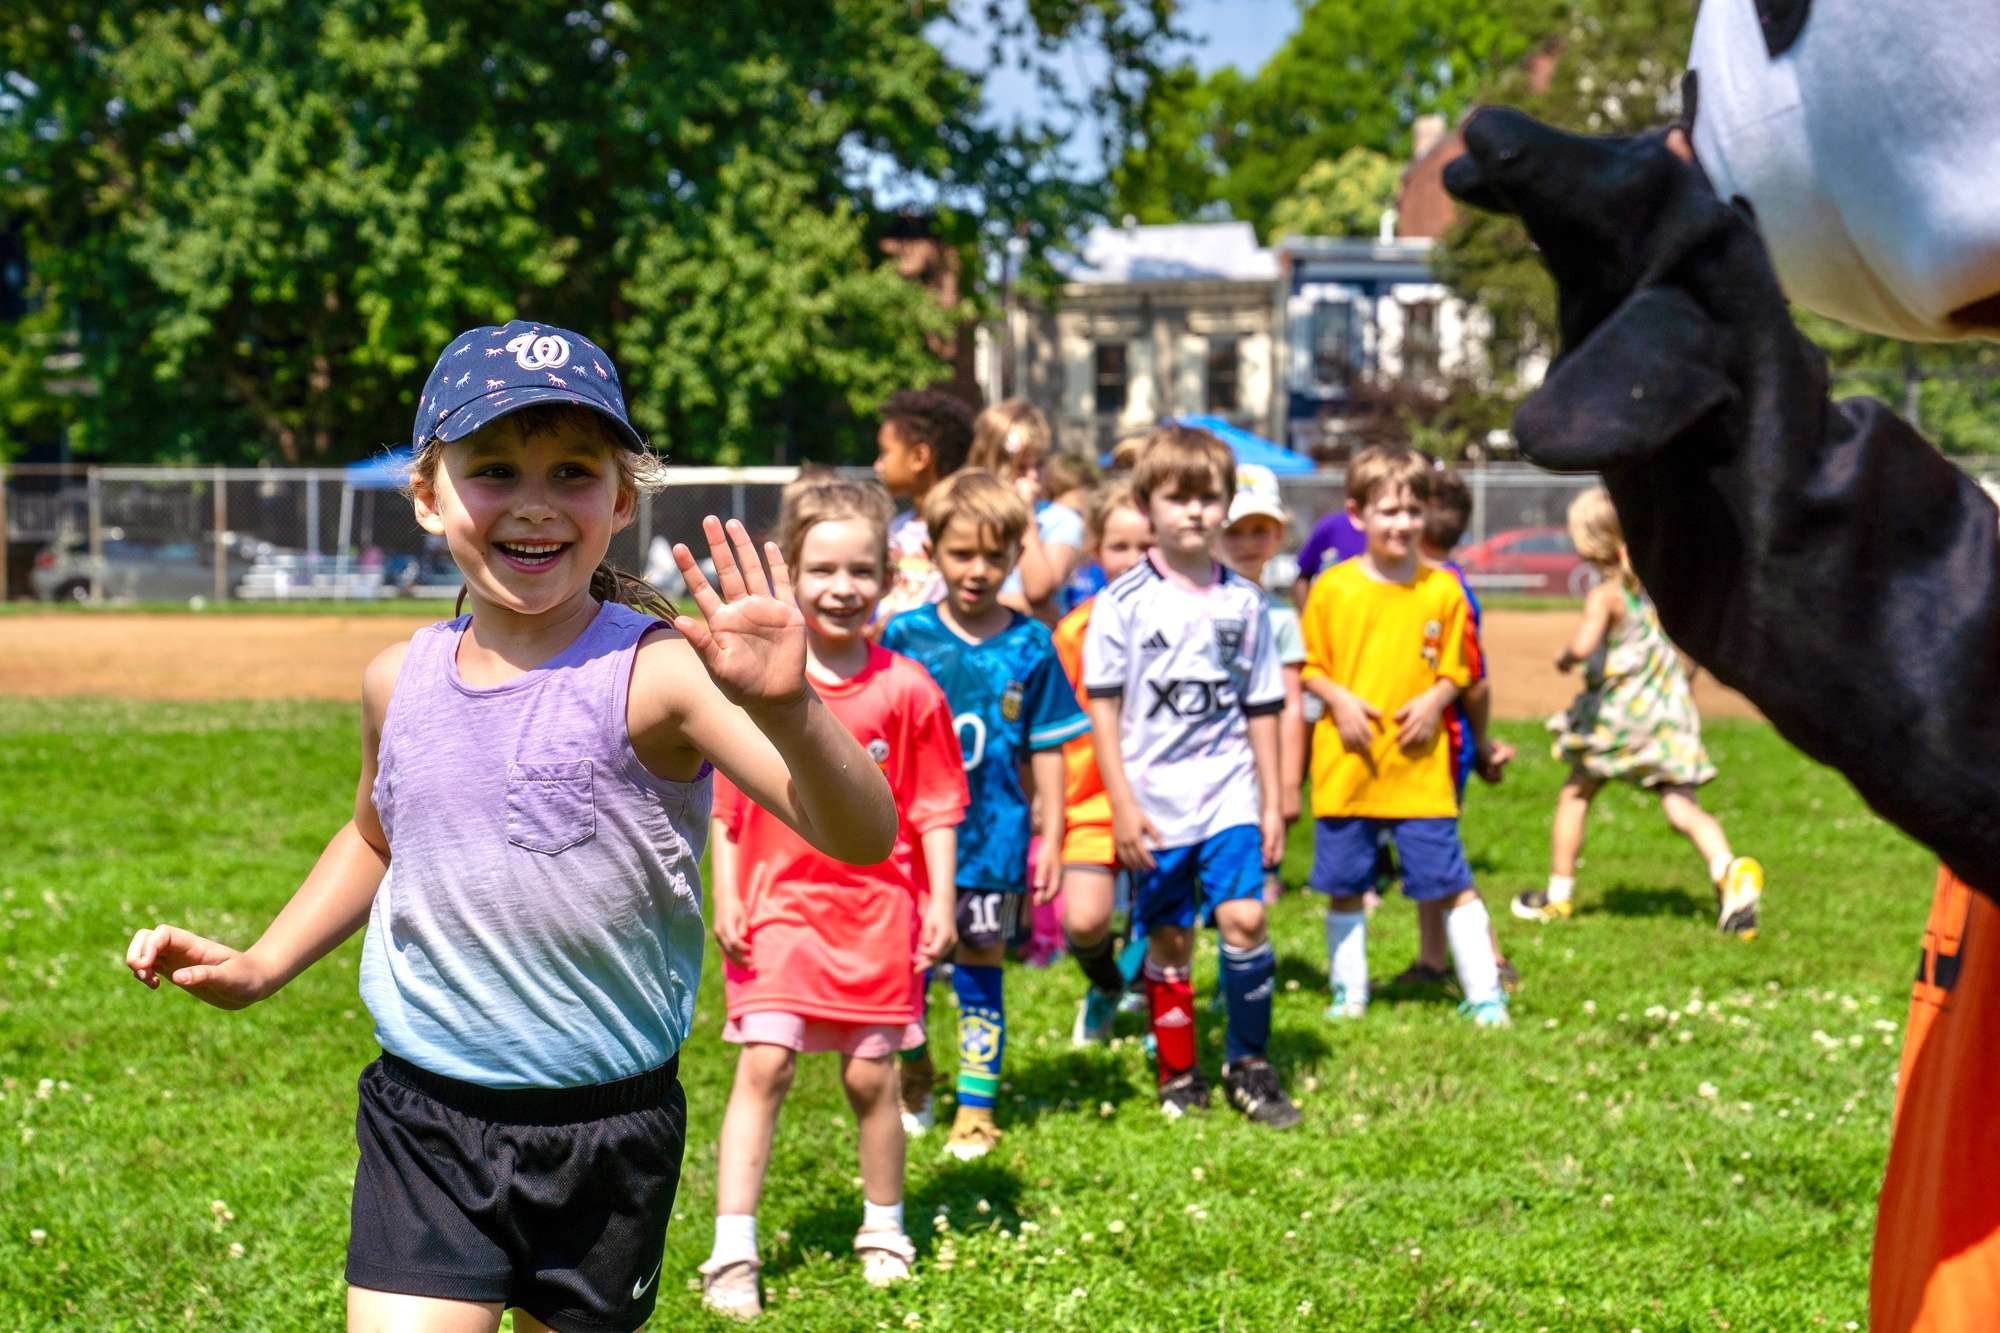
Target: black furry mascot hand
<point>1820,557</point>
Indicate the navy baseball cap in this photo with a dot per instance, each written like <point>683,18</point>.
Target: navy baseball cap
<point>495,369</point>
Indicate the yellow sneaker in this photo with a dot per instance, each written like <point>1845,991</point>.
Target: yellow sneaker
<point>973,1133</point>
<point>1536,905</point>
<point>1737,897</point>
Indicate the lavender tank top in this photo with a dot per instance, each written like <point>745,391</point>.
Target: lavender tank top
<point>540,925</point>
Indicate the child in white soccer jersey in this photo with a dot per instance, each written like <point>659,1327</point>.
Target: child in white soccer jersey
<point>1182,674</point>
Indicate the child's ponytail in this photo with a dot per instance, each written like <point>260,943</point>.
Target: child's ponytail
<point>1595,532</point>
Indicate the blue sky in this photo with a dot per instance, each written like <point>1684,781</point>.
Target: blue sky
<point>1243,33</point>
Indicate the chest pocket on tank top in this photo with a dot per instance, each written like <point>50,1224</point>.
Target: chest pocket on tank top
<point>549,806</point>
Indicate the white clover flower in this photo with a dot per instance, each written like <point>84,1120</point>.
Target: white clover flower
<point>982,1207</point>
<point>1708,1090</point>
<point>38,1236</point>
<point>1115,1227</point>
<point>236,1249</point>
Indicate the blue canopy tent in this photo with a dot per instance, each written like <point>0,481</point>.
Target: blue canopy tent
<point>1252,448</point>
<point>386,471</point>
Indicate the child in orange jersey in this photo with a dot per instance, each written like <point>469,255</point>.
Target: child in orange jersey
<point>1119,535</point>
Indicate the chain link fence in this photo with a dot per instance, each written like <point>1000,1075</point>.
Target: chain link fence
<point>201,535</point>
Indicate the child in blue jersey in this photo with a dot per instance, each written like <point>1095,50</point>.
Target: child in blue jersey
<point>1010,702</point>
<point>1473,748</point>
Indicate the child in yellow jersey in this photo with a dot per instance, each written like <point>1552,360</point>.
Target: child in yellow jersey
<point>1118,534</point>
<point>1386,653</point>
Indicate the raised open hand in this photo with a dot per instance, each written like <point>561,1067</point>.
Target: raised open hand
<point>751,637</point>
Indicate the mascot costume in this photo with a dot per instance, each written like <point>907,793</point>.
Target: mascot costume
<point>1820,557</point>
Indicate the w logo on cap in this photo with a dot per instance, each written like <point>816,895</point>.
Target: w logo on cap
<point>539,351</point>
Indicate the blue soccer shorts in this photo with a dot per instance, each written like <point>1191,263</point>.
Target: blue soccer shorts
<point>1222,868</point>
<point>1428,850</point>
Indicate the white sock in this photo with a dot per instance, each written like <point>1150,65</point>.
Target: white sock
<point>1720,867</point>
<point>882,1216</point>
<point>735,1237</point>
<point>1467,928</point>
<point>1561,887</point>
<point>1347,953</point>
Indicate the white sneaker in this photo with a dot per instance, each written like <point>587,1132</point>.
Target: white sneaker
<point>1488,1013</point>
<point>917,1099</point>
<point>886,1256</point>
<point>1345,1007</point>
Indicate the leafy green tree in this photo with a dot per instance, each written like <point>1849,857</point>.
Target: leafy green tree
<point>256,223</point>
<point>1342,198</point>
<point>1355,74</point>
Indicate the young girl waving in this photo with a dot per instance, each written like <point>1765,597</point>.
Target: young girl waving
<point>1634,721</point>
<point>823,956</point>
<point>537,772</point>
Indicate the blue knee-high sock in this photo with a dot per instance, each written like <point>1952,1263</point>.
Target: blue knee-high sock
<point>982,1033</point>
<point>1248,978</point>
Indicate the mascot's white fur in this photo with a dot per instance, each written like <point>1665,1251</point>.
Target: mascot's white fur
<point>1868,146</point>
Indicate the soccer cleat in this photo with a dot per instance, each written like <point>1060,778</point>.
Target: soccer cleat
<point>1252,1087</point>
<point>1536,905</point>
<point>973,1133</point>
<point>729,1288</point>
<point>1095,1018</point>
<point>1344,1008</point>
<point>886,1256</point>
<point>1421,975</point>
<point>1183,1093</point>
<point>1488,1013</point>
<point>1737,897</point>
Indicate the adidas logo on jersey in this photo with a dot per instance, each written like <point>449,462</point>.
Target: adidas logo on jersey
<point>1156,642</point>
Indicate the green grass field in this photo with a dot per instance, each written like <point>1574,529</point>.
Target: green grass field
<point>1681,1132</point>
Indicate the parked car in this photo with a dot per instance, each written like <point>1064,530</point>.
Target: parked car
<point>1528,560</point>
<point>132,570</point>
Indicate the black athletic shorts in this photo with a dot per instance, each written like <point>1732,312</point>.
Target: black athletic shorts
<point>553,1200</point>
<point>987,918</point>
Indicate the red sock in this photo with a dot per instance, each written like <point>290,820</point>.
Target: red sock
<point>1170,992</point>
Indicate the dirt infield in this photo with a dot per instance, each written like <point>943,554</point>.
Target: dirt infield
<point>138,656</point>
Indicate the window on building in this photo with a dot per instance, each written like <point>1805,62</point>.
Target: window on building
<point>1224,359</point>
<point>1420,340</point>
<point>1111,378</point>
<point>1333,344</point>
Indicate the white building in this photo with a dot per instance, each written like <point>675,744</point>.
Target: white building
<point>1155,322</point>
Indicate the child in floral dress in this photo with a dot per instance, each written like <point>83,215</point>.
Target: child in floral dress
<point>1635,722</point>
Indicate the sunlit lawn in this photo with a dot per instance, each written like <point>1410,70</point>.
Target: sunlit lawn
<point>1680,1131</point>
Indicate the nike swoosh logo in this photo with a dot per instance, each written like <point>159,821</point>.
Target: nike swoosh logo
<point>639,1288</point>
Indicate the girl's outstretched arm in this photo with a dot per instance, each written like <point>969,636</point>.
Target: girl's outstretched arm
<point>331,904</point>
<point>731,688</point>
<point>1600,608</point>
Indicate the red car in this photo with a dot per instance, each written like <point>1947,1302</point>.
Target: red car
<point>1528,560</point>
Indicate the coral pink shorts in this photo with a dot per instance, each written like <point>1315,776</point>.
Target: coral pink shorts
<point>869,1041</point>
